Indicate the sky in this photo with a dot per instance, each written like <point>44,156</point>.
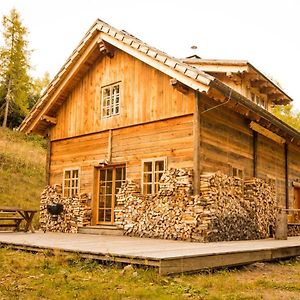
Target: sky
<point>264,32</point>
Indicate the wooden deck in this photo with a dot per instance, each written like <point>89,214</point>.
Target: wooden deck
<point>168,256</point>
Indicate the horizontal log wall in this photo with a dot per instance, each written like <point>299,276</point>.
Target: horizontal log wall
<point>169,138</point>
<point>226,140</point>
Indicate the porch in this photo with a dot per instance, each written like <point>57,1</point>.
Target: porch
<point>166,255</point>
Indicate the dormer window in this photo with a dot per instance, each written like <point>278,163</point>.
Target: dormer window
<point>110,100</point>
<point>258,100</point>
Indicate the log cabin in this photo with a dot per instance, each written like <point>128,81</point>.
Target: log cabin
<point>120,109</point>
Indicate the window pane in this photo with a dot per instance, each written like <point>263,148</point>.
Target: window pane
<point>119,172</point>
<point>109,188</point>
<point>101,201</point>
<point>108,215</point>
<point>147,177</point>
<point>159,165</point>
<point>108,202</point>
<point>67,183</point>
<point>102,175</point>
<point>67,174</point>
<point>75,174</point>
<point>109,174</point>
<point>148,166</point>
<point>106,93</point>
<point>147,189</point>
<point>116,89</point>
<point>158,176</point>
<point>101,215</point>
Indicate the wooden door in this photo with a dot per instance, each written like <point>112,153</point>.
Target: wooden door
<point>296,205</point>
<point>110,181</point>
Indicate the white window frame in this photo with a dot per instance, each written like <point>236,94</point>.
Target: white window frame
<point>63,185</point>
<point>153,160</point>
<point>112,108</point>
<point>238,170</point>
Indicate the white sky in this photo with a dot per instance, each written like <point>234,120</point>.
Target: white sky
<point>264,32</point>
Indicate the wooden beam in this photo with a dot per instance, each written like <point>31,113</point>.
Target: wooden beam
<point>109,146</point>
<point>197,144</point>
<point>201,83</point>
<point>63,85</point>
<point>106,49</point>
<point>179,86</point>
<point>286,162</point>
<point>254,134</point>
<point>48,119</point>
<point>48,158</point>
<point>267,133</point>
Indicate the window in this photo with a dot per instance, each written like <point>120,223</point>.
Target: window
<point>258,100</point>
<point>71,182</point>
<point>111,100</point>
<point>236,172</point>
<point>153,169</point>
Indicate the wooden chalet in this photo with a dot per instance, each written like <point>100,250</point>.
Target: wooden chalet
<point>120,109</point>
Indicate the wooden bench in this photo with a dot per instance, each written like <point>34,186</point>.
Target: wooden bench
<point>10,217</point>
<point>13,216</point>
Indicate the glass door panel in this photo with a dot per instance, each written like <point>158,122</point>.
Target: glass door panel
<point>110,181</point>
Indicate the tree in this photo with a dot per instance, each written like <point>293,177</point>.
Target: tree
<point>37,89</point>
<point>287,114</point>
<point>15,83</point>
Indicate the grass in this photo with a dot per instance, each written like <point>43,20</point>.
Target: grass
<point>44,276</point>
<point>22,169</point>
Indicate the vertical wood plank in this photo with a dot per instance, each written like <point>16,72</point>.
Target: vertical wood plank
<point>48,158</point>
<point>254,153</point>
<point>197,141</point>
<point>286,162</point>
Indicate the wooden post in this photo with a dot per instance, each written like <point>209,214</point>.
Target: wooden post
<point>286,162</point>
<point>254,153</point>
<point>109,146</point>
<point>48,158</point>
<point>197,145</point>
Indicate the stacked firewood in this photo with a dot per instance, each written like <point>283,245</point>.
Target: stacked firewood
<point>219,213</point>
<point>293,230</point>
<point>261,205</point>
<point>76,211</point>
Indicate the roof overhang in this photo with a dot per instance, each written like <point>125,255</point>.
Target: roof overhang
<point>84,56</point>
<point>256,78</point>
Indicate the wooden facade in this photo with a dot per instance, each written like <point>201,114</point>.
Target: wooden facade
<point>157,118</point>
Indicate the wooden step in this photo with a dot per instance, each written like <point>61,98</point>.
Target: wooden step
<point>101,229</point>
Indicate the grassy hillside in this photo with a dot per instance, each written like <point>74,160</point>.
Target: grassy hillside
<point>22,169</point>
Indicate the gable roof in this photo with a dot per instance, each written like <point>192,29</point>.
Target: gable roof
<point>255,77</point>
<point>88,51</point>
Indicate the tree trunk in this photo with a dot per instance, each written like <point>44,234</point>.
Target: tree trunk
<point>7,100</point>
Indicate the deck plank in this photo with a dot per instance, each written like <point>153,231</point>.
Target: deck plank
<point>169,256</point>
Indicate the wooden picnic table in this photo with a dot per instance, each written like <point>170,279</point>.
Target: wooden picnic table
<point>26,215</point>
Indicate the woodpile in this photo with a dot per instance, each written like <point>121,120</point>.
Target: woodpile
<point>76,211</point>
<point>243,210</point>
<point>293,230</point>
<point>226,209</point>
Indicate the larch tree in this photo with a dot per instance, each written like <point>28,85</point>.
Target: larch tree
<point>15,82</point>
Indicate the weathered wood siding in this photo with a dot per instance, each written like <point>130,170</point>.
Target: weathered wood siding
<point>294,170</point>
<point>271,162</point>
<point>226,140</point>
<point>146,95</point>
<point>169,138</point>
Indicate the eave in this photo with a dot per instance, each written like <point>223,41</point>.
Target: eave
<point>243,68</point>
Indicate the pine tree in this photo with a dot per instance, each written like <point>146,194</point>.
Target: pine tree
<point>15,82</point>
<point>287,114</point>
